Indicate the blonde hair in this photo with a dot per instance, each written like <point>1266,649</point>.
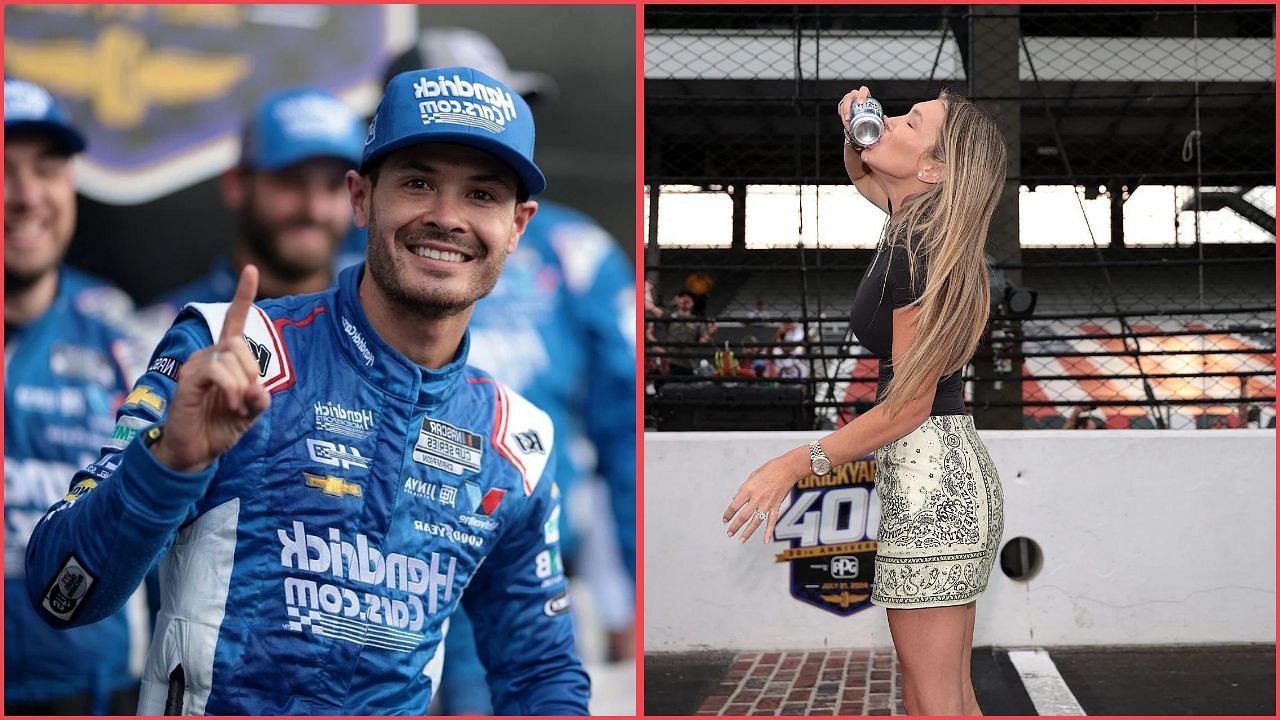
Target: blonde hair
<point>949,221</point>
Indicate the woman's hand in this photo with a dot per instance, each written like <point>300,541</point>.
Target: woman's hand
<point>845,108</point>
<point>760,497</point>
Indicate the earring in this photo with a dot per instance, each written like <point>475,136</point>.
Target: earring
<point>919,174</point>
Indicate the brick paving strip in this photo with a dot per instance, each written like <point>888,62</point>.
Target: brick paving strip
<point>815,682</point>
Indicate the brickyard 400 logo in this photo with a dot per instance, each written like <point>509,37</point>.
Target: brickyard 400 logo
<point>831,523</point>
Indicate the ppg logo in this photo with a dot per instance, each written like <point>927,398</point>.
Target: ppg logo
<point>844,566</point>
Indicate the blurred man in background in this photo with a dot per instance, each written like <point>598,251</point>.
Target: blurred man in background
<point>559,328</point>
<point>289,197</point>
<point>67,368</point>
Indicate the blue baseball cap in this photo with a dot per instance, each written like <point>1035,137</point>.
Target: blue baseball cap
<point>299,124</point>
<point>29,106</point>
<point>455,105</point>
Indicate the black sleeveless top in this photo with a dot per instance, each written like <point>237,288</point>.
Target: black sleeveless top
<point>872,319</point>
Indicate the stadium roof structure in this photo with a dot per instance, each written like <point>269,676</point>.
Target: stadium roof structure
<point>749,96</point>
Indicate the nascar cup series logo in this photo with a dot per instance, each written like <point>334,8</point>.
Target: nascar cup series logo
<point>462,102</point>
<point>368,617</point>
<point>449,448</point>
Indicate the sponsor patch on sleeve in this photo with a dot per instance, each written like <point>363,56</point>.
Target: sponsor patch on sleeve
<point>68,591</point>
<point>557,605</point>
<point>166,366</point>
<point>79,490</point>
<point>523,435</point>
<point>275,371</point>
<point>551,528</point>
<point>127,428</point>
<point>145,397</point>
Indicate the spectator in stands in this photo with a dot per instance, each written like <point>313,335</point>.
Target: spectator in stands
<point>754,360</point>
<point>681,335</point>
<point>656,365</point>
<point>790,332</point>
<point>1076,421</point>
<point>651,307</point>
<point>758,311</point>
<point>790,362</point>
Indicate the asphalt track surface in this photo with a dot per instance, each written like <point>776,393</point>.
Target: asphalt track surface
<point>1131,680</point>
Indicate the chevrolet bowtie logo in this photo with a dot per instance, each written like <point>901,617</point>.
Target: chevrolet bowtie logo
<point>143,395</point>
<point>330,485</point>
<point>121,75</point>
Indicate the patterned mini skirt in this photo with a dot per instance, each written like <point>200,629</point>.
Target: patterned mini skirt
<point>941,516</point>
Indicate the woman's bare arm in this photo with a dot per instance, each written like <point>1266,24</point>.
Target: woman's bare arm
<point>770,483</point>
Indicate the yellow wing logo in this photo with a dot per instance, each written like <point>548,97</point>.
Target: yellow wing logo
<point>844,599</point>
<point>122,76</point>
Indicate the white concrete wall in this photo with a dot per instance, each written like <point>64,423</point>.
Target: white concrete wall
<point>1148,537</point>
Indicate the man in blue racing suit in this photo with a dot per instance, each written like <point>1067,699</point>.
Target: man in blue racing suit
<point>326,475</point>
<point>67,368</point>
<point>558,328</point>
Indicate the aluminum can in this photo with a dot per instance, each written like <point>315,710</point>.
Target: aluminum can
<point>866,122</point>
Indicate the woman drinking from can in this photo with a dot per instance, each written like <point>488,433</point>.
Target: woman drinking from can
<point>938,172</point>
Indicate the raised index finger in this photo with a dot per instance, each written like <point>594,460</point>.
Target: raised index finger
<point>238,313</point>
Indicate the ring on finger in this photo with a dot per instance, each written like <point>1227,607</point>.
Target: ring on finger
<point>213,357</point>
<point>762,514</point>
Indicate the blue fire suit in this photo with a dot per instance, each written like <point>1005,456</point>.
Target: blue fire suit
<point>313,567</point>
<point>65,374</point>
<point>560,327</point>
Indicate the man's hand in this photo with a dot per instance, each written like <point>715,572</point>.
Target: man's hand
<point>218,395</point>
